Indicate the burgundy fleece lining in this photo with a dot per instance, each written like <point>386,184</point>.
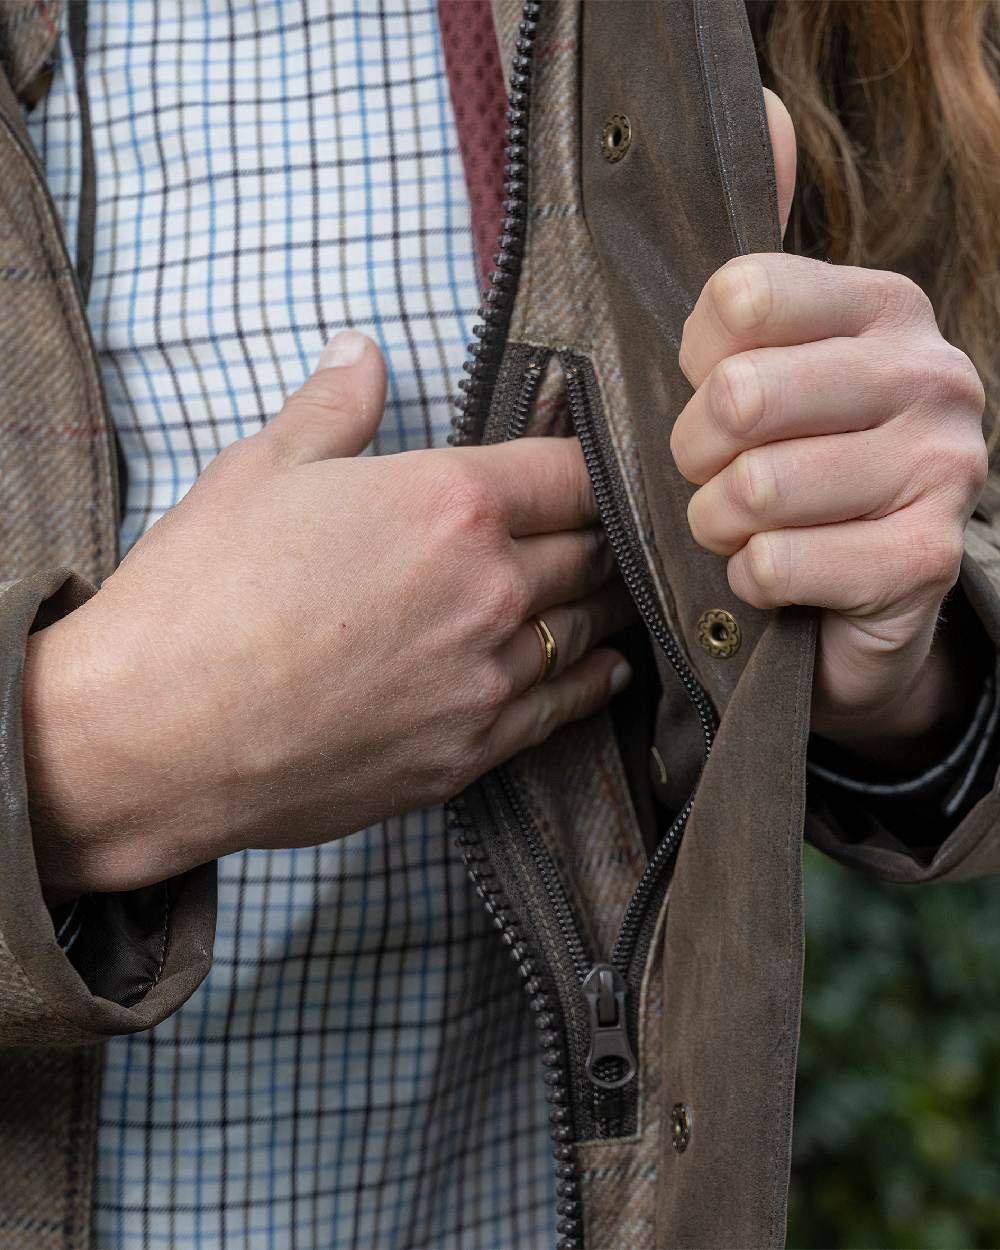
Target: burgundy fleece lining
<point>479,101</point>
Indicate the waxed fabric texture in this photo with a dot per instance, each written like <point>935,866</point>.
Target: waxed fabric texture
<point>54,440</point>
<point>616,255</point>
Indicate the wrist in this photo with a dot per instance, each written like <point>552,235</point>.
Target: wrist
<point>925,715</point>
<point>90,809</point>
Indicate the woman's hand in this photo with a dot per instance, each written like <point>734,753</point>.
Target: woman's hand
<point>836,440</point>
<point>312,641</point>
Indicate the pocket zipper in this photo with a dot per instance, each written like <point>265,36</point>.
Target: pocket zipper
<point>604,1031</point>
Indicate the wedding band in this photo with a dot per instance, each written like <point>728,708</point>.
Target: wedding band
<point>550,652</point>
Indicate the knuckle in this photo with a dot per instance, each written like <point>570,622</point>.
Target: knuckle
<point>679,446</point>
<point>574,483</point>
<point>896,298</point>
<point>935,559</point>
<point>466,503</point>
<point>495,689</point>
<point>963,462</point>
<point>742,295</point>
<point>328,390</point>
<point>915,379</point>
<point>754,483</point>
<point>509,597</point>
<point>736,397</point>
<point>697,523</point>
<point>960,381</point>
<point>767,566</point>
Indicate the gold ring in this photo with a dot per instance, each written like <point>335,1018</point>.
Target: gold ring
<point>550,652</point>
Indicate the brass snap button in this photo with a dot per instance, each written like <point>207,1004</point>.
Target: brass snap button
<point>681,1126</point>
<point>718,633</point>
<point>617,137</point>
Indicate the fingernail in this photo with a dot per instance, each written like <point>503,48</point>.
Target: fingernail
<point>621,675</point>
<point>345,348</point>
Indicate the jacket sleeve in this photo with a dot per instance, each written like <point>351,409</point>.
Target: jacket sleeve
<point>863,829</point>
<point>112,963</point>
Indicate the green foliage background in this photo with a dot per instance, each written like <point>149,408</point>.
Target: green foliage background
<point>897,1127</point>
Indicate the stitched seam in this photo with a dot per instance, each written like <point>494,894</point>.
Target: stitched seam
<point>163,938</point>
<point>66,923</point>
<point>709,74</point>
<point>68,944</point>
<point>726,143</point>
<point>764,141</point>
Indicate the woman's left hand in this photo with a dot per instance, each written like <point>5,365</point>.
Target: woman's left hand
<point>836,440</point>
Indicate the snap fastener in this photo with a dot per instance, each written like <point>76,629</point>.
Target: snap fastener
<point>617,137</point>
<point>681,1125</point>
<point>719,633</point>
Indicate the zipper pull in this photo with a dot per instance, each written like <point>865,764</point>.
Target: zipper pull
<point>604,991</point>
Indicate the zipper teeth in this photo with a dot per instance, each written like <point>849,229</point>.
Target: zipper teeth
<point>498,298</point>
<point>518,422</point>
<point>551,1039</point>
<point>635,576</point>
<point>545,868</point>
<point>468,423</point>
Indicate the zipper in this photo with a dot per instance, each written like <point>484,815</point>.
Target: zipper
<point>610,989</point>
<point>586,1015</point>
<point>468,424</point>
<point>584,407</point>
<point>547,876</point>
<point>547,1015</point>
<point>588,1020</point>
<point>498,299</point>
<point>517,423</point>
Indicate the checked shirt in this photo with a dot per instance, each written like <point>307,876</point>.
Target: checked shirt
<point>358,1069</point>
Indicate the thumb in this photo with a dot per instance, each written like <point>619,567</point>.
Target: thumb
<point>337,411</point>
<point>782,131</point>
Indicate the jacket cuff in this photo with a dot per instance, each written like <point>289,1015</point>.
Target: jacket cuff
<point>117,942</point>
<point>947,789</point>
<point>124,962</point>
<point>945,823</point>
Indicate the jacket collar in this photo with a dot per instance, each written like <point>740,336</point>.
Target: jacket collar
<point>29,30</point>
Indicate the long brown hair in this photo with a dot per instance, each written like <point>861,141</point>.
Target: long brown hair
<point>897,116</point>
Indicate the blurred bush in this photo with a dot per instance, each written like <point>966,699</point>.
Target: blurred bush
<point>897,1124</point>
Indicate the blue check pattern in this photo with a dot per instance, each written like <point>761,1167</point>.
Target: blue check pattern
<point>358,1069</point>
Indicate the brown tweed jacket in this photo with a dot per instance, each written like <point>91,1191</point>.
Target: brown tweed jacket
<point>680,1134</point>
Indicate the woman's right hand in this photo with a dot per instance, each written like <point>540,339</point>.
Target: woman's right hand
<point>310,642</point>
